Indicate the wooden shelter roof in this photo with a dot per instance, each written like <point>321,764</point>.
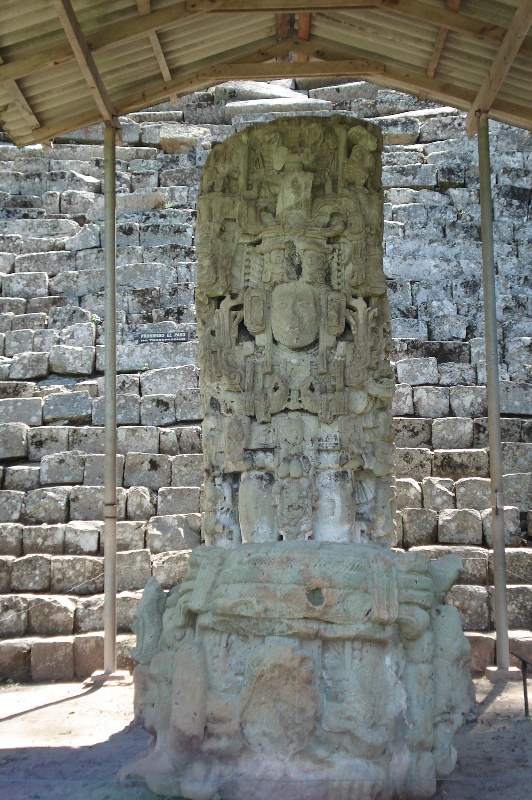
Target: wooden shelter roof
<point>67,64</point>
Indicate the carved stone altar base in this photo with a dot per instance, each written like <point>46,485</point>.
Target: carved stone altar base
<point>300,657</point>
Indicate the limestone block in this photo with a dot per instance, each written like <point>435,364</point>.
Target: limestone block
<point>468,401</point>
<point>46,505</point>
<point>52,262</point>
<point>127,410</point>
<point>460,526</point>
<point>6,568</point>
<point>474,561</point>
<point>129,536</point>
<point>171,532</point>
<point>88,236</point>
<point>33,321</point>
<point>44,441</point>
<point>125,384</point>
<point>10,539</point>
<point>402,400</point>
<point>408,493</point>
<point>417,371</point>
<point>451,432</point>
<point>420,526</point>
<point>517,490</point>
<point>482,652</point>
<point>158,409</point>
<point>89,612</point>
<point>13,615</point>
<point>141,503</point>
<point>134,357</point>
<point>473,493</point>
<point>438,493</point>
<point>18,342</point>
<point>82,575</point>
<point>62,316</point>
<point>31,574</point>
<point>15,660</point>
<point>516,398</point>
<point>13,440</point>
<point>419,176</point>
<point>67,467</point>
<point>518,351</point>
<point>412,462</point>
<point>87,439</point>
<point>510,431</point>
<point>43,539</point>
<point>10,505</point>
<point>169,380</point>
<point>27,410</point>
<point>88,654</point>
<point>187,470</point>
<point>187,405</point>
<point>16,388</point>
<point>178,500</point>
<point>452,374</point>
<point>151,470</point>
<point>12,305</point>
<point>21,479</point>
<point>512,528</point>
<point>411,432</point>
<point>457,464</point>
<point>94,466</point>
<point>66,360</point>
<point>171,568</point>
<point>472,605</point>
<point>71,407</point>
<point>431,401</point>
<point>52,659</point>
<point>445,327</point>
<point>82,538</point>
<point>86,502</point>
<point>51,616</point>
<point>25,284</point>
<point>518,565</point>
<point>408,328</point>
<point>144,439</point>
<point>133,569</point>
<point>519,607</point>
<point>517,456</point>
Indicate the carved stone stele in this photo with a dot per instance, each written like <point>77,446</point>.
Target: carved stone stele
<point>300,658</point>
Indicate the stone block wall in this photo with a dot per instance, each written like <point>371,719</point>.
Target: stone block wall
<point>51,359</point>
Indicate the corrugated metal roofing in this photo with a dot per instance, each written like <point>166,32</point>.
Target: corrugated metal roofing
<point>43,92</point>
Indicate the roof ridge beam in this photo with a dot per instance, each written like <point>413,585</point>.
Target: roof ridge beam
<point>501,65</point>
<point>86,62</point>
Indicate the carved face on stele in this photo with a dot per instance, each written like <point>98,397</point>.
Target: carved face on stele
<point>295,314</point>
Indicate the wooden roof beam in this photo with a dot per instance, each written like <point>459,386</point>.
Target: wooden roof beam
<point>144,7</point>
<point>303,31</point>
<point>452,5</point>
<point>83,55</point>
<point>501,65</point>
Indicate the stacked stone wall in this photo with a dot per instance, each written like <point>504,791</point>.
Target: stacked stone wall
<point>51,360</point>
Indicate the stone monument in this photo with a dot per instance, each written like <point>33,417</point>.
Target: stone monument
<point>301,657</point>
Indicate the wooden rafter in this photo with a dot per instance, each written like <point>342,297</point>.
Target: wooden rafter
<point>138,27</point>
<point>504,59</point>
<point>144,7</point>
<point>452,5</point>
<point>303,31</point>
<point>86,63</point>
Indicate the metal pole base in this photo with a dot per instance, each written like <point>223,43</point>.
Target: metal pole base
<point>118,678</point>
<point>495,674</point>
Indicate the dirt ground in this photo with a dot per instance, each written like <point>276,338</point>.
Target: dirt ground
<point>64,741</point>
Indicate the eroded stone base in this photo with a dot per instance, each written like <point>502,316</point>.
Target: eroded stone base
<point>302,670</point>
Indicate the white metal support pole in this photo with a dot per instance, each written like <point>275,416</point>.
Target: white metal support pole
<point>109,652</point>
<point>494,409</point>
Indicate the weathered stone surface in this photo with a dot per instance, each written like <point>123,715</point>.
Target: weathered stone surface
<point>151,470</point>
<point>158,409</point>
<point>87,439</point>
<point>46,505</point>
<point>452,432</point>
<point>170,532</point>
<point>510,431</point>
<point>519,606</point>
<point>408,493</point>
<point>52,659</point>
<point>133,569</point>
<point>26,410</point>
<point>43,539</point>
<point>88,654</point>
<point>13,440</point>
<point>468,401</point>
<point>474,570</point>
<point>67,360</point>
<point>170,568</point>
<point>22,478</point>
<point>94,466</point>
<point>10,539</point>
<point>482,651</point>
<point>86,503</point>
<point>517,489</point>
<point>6,568</point>
<point>10,505</point>
<point>187,470</point>
<point>512,528</point>
<point>66,467</point>
<point>402,402</point>
<point>412,462</point>
<point>67,407</point>
<point>473,493</point>
<point>411,432</point>
<point>431,401</point>
<point>13,615</point>
<point>517,456</point>
<point>141,503</point>
<point>31,574</point>
<point>457,464</point>
<point>420,526</point>
<point>169,380</point>
<point>51,616</point>
<point>187,405</point>
<point>15,660</point>
<point>144,439</point>
<point>82,575</point>
<point>515,398</point>
<point>82,538</point>
<point>127,410</point>
<point>438,493</point>
<point>89,612</point>
<point>46,440</point>
<point>417,371</point>
<point>178,500</point>
<point>472,605</point>
<point>460,526</point>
